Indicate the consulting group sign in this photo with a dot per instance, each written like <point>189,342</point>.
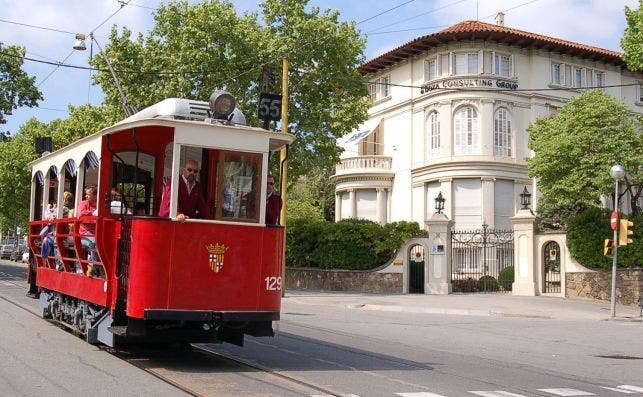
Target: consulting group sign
<point>469,83</point>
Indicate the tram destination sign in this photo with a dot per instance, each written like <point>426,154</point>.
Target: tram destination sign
<point>469,83</point>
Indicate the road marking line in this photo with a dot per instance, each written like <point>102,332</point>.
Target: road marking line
<point>419,394</point>
<point>619,390</point>
<point>631,388</point>
<point>567,392</point>
<point>328,395</point>
<point>496,393</point>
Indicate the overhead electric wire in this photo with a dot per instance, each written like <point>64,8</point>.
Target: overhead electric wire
<point>185,72</point>
<point>122,3</point>
<point>54,70</point>
<point>36,26</point>
<point>385,11</point>
<point>376,31</point>
<point>417,16</point>
<point>137,5</point>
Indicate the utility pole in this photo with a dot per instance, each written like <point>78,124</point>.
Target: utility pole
<point>617,172</point>
<point>283,164</point>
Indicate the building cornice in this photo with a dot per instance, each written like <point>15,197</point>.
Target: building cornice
<point>480,31</point>
<point>469,168</point>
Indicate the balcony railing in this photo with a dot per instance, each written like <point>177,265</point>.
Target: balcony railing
<point>364,164</point>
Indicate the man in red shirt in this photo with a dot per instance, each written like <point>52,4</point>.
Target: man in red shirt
<point>191,203</point>
<point>273,203</point>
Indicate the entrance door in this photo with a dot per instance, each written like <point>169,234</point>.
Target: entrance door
<point>416,269</point>
<point>551,268</point>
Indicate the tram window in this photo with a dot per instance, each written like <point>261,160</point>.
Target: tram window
<point>238,187</point>
<point>134,182</point>
<point>38,202</point>
<point>89,168</point>
<point>69,178</point>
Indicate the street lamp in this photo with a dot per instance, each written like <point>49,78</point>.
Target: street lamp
<point>525,198</point>
<point>80,42</point>
<point>439,203</point>
<point>618,173</point>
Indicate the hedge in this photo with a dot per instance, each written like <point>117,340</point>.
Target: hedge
<point>352,244</point>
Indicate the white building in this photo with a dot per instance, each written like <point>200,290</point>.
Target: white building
<point>449,114</point>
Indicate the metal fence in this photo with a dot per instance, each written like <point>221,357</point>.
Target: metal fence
<point>478,258</point>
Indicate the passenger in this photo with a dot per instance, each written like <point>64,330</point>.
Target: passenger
<point>273,203</point>
<point>139,209</point>
<point>68,243</point>
<point>52,210</point>
<point>88,207</point>
<point>48,233</point>
<point>191,203</point>
<point>68,204</point>
<point>117,205</point>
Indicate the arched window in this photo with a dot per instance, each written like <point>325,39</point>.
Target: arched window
<point>466,131</point>
<point>502,133</point>
<point>433,135</point>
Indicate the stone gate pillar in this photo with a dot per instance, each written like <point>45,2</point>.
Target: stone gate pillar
<point>524,254</point>
<point>439,274</point>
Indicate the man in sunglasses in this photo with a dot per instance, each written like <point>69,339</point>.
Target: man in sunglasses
<point>273,203</point>
<point>191,203</point>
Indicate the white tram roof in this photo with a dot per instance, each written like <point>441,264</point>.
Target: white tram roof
<point>191,128</point>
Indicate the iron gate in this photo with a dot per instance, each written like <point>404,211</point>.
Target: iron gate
<point>479,259</point>
<point>551,279</point>
<point>416,270</point>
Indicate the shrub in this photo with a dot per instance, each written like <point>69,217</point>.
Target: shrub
<point>466,285</point>
<point>355,244</point>
<point>302,241</point>
<point>506,278</point>
<point>488,283</point>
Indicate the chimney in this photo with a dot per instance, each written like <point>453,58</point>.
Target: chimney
<point>500,19</point>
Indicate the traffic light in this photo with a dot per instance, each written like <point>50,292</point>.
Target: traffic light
<point>624,232</point>
<point>608,247</point>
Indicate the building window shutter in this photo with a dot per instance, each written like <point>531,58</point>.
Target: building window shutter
<point>487,63</point>
<point>512,67</point>
<point>568,75</point>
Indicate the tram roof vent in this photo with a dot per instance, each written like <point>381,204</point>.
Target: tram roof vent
<point>183,109</point>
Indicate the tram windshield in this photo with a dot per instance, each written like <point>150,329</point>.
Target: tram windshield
<point>229,182</point>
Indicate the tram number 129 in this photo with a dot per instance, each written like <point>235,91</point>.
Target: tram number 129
<point>273,283</point>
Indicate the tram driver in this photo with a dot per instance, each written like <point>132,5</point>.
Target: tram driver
<point>191,201</point>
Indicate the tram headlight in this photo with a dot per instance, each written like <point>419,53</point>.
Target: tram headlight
<point>222,103</point>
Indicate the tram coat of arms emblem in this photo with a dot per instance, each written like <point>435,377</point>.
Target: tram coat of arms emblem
<point>216,256</point>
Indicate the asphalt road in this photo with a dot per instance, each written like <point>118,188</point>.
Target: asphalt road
<point>328,342</point>
<point>40,359</point>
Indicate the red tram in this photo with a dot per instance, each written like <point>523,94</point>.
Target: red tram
<point>150,278</point>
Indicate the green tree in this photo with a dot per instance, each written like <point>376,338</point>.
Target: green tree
<point>195,48</point>
<point>632,41</point>
<point>312,196</point>
<point>16,87</point>
<point>575,149</point>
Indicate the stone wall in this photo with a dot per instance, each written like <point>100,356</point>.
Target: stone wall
<point>344,280</point>
<point>597,285</point>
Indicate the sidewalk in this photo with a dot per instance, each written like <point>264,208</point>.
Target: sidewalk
<point>506,305</point>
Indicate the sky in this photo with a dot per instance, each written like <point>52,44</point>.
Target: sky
<point>386,24</point>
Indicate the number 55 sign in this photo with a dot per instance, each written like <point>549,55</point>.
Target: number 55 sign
<point>269,107</point>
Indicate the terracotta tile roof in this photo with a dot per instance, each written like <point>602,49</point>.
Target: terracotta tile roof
<point>476,30</point>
